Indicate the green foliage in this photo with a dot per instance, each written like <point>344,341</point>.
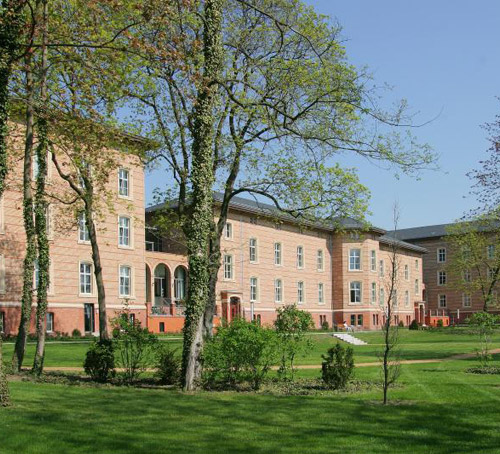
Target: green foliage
<point>325,326</point>
<point>168,365</point>
<point>100,361</point>
<point>440,323</point>
<point>134,346</point>
<point>337,367</point>
<point>76,333</point>
<point>413,325</point>
<point>238,353</point>
<point>401,324</point>
<point>483,325</point>
<point>291,326</point>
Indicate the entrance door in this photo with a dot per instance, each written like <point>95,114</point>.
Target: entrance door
<point>89,320</point>
<point>235,307</point>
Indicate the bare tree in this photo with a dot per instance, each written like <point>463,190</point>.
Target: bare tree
<point>390,329</point>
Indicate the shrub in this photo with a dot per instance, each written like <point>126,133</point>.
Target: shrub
<point>76,333</point>
<point>291,326</point>
<point>134,345</point>
<point>168,365</point>
<point>413,325</point>
<point>325,326</point>
<point>401,324</point>
<point>439,323</point>
<point>483,324</point>
<point>100,361</point>
<point>239,352</point>
<point>337,367</point>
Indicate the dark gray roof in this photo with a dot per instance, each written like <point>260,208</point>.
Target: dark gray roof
<point>418,233</point>
<point>258,207</point>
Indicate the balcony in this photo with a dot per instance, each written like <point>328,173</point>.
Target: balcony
<point>169,308</point>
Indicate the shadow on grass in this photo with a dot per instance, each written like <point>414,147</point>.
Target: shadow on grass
<point>126,420</point>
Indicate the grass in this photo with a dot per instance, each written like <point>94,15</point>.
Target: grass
<point>437,408</point>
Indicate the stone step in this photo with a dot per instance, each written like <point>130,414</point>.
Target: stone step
<point>349,338</point>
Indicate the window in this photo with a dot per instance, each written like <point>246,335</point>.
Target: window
<point>3,273</point>
<point>162,327</point>
<point>228,267</point>
<point>49,320</point>
<point>395,301</point>
<point>253,250</point>
<point>300,292</point>
<point>467,276</point>
<point>277,253</point>
<point>321,293</point>
<point>441,277</point>
<point>442,301</point>
<point>381,268</point>
<point>125,280</point>
<point>2,322</point>
<point>322,321</point>
<point>83,231</point>
<point>319,260</point>
<point>124,182</point>
<point>374,292</point>
<point>407,298</point>
<point>228,231</point>
<point>88,318</point>
<point>34,166</point>
<point>416,264</point>
<point>124,231</point>
<point>417,287</point>
<point>85,278</point>
<point>278,291</point>
<point>355,292</point>
<point>36,274</point>
<point>491,274</point>
<point>466,300</point>
<point>354,259</point>
<point>254,289</point>
<point>300,257</point>
<point>48,220</point>
<point>381,296</point>
<point>353,319</point>
<point>491,251</point>
<point>407,272</point>
<point>360,319</point>
<point>466,252</point>
<point>258,319</point>
<point>441,255</point>
<point>373,261</point>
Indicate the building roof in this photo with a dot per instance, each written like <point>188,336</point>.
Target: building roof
<point>258,207</point>
<point>419,233</point>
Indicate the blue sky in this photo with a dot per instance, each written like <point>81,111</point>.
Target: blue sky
<point>442,56</point>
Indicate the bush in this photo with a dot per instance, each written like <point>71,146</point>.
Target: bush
<point>439,323</point>
<point>413,325</point>
<point>337,367</point>
<point>325,326</point>
<point>134,345</point>
<point>100,361</point>
<point>241,352</point>
<point>483,325</point>
<point>291,326</point>
<point>401,324</point>
<point>76,333</point>
<point>168,365</point>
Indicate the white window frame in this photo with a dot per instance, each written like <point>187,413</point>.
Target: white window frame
<point>416,264</point>
<point>49,316</point>
<point>321,293</point>
<point>228,231</point>
<point>417,287</point>
<point>253,247</point>
<point>130,279</point>
<point>278,254</point>
<point>490,251</point>
<point>228,267</point>
<point>300,257</point>
<point>91,277</point>
<point>127,185</point>
<point>407,298</point>
<point>381,295</point>
<point>355,259</point>
<point>373,260</point>
<point>407,272</point>
<point>358,292</point>
<point>122,229</point>
<point>254,289</point>
<point>3,275</point>
<point>442,278</point>
<point>490,273</point>
<point>301,292</point>
<point>441,298</point>
<point>441,255</point>
<point>381,268</point>
<point>278,290</point>
<point>83,233</point>
<point>320,260</point>
<point>466,300</point>
<point>467,277</point>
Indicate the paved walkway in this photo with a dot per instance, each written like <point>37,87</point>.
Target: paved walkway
<point>318,366</point>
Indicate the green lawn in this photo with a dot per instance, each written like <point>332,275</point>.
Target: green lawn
<point>439,409</point>
<point>414,345</point>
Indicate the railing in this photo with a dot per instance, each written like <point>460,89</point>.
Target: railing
<point>169,308</point>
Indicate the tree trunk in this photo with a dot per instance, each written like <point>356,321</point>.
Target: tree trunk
<point>96,260</point>
<point>29,228</point>
<point>198,227</point>
<point>215,258</point>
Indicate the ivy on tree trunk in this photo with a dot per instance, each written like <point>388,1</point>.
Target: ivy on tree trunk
<point>198,227</point>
